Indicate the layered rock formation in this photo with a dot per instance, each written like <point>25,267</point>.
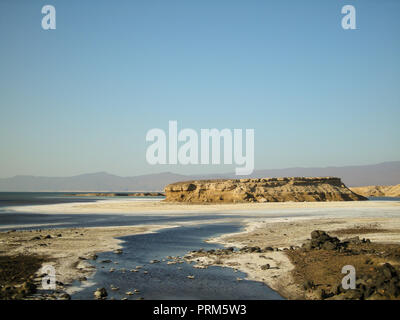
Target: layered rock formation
<point>378,191</point>
<point>260,190</point>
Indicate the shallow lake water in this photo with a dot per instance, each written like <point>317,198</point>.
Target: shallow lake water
<point>163,281</point>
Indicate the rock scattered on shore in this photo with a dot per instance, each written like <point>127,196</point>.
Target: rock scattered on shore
<point>154,261</point>
<point>320,240</point>
<point>100,293</point>
<point>320,260</point>
<point>65,296</point>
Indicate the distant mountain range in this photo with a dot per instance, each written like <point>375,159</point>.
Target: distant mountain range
<point>387,173</point>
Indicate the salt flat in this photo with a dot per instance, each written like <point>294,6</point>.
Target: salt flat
<point>150,206</point>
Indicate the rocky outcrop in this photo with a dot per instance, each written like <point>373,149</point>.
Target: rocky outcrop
<point>375,280</point>
<point>321,240</point>
<point>378,191</point>
<point>260,190</point>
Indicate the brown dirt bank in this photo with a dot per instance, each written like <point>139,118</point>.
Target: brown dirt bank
<point>318,265</point>
<point>17,274</point>
<point>297,189</point>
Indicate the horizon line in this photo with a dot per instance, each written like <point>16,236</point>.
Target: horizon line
<point>196,174</point>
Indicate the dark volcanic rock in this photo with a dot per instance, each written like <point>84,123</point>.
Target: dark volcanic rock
<point>381,283</point>
<point>100,293</point>
<point>321,240</point>
<point>266,249</point>
<point>250,249</point>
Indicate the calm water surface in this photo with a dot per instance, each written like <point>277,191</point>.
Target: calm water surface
<point>165,281</point>
<point>162,281</point>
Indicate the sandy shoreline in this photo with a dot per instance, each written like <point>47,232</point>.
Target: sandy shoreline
<point>278,225</point>
<point>69,250</point>
<point>283,235</point>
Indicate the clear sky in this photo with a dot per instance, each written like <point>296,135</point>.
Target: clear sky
<point>81,98</point>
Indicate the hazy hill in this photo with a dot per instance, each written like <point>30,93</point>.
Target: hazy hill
<point>387,173</point>
<point>100,181</point>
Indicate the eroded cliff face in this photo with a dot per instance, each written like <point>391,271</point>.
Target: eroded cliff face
<point>378,191</point>
<point>260,190</point>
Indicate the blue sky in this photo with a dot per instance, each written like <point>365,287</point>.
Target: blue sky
<point>81,98</point>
